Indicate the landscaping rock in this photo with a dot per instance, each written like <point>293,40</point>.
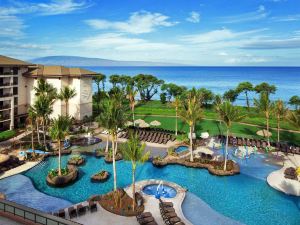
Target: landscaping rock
<point>76,161</point>
<point>108,159</point>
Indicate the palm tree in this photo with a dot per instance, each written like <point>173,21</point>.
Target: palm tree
<point>98,79</point>
<point>228,113</point>
<point>58,131</point>
<point>280,111</point>
<point>103,122</point>
<point>44,88</point>
<point>191,113</point>
<point>245,87</point>
<point>133,151</point>
<point>66,94</point>
<point>131,94</point>
<point>114,113</point>
<point>264,105</point>
<point>176,104</point>
<point>43,107</point>
<point>31,118</point>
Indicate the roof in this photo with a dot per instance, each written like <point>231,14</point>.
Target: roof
<point>7,61</point>
<point>58,71</point>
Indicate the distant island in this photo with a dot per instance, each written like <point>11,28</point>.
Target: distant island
<point>84,61</point>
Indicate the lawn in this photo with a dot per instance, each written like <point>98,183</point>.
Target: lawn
<point>215,128</point>
<point>5,135</point>
<point>252,116</point>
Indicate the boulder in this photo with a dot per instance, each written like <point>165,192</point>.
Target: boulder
<point>100,177</point>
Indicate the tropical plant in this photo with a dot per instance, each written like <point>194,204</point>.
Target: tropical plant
<point>65,95</point>
<point>172,90</point>
<point>131,94</point>
<point>100,78</point>
<point>245,87</point>
<point>45,89</point>
<point>176,104</point>
<point>295,101</point>
<point>163,98</point>
<point>30,119</point>
<point>280,111</point>
<point>58,131</point>
<point>264,105</point>
<point>191,112</point>
<point>294,118</point>
<point>230,95</point>
<point>265,88</point>
<point>228,114</point>
<point>133,151</point>
<point>205,96</point>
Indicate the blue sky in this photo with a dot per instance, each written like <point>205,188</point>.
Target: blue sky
<point>198,32</point>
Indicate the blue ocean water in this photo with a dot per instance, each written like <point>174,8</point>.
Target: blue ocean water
<point>246,197</point>
<point>219,79</point>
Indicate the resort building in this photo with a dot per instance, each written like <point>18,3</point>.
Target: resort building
<point>17,82</point>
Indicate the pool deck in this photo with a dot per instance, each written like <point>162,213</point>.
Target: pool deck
<point>20,169</point>
<point>277,180</point>
<point>103,217</point>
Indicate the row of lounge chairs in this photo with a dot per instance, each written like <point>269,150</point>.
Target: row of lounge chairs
<point>79,210</point>
<point>150,136</point>
<point>290,173</point>
<point>260,144</point>
<point>205,156</point>
<point>146,218</point>
<point>168,213</point>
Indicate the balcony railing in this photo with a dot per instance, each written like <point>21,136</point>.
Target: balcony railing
<point>6,95</point>
<point>8,84</point>
<point>6,106</point>
<point>23,213</point>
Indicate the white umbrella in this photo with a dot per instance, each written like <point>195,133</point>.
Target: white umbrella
<point>155,123</point>
<point>144,125</point>
<point>204,135</point>
<point>205,150</point>
<point>139,121</point>
<point>128,123</point>
<point>264,133</point>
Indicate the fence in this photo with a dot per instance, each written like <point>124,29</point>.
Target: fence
<point>21,213</point>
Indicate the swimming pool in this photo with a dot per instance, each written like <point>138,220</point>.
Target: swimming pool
<point>246,197</point>
<point>182,148</point>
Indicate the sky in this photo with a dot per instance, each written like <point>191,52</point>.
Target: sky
<point>191,32</point>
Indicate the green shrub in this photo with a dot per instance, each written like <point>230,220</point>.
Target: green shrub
<point>5,135</point>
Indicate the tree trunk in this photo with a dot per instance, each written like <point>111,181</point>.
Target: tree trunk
<point>67,108</point>
<point>32,136</point>
<point>133,115</point>
<point>44,133</point>
<point>247,100</point>
<point>133,189</point>
<point>107,142</point>
<point>59,158</point>
<point>268,136</point>
<point>278,128</point>
<point>98,99</point>
<point>114,162</point>
<point>191,144</point>
<point>38,131</point>
<point>225,153</point>
<point>176,125</point>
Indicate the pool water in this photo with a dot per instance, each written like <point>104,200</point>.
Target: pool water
<point>246,197</point>
<point>180,149</point>
<point>163,190</point>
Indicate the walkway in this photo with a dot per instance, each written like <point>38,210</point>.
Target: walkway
<point>26,166</point>
<point>6,221</point>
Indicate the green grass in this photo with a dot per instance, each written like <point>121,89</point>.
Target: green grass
<point>5,135</point>
<point>215,128</point>
<point>252,116</point>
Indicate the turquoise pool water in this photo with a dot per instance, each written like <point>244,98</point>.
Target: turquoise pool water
<point>162,190</point>
<point>246,197</point>
<point>181,149</point>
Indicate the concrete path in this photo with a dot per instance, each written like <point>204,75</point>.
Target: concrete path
<point>26,166</point>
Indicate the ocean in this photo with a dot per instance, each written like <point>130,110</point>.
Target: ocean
<point>218,79</point>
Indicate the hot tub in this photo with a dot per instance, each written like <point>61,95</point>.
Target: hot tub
<point>160,190</point>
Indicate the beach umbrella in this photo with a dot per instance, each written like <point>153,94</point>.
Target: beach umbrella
<point>205,150</point>
<point>264,133</point>
<point>139,121</point>
<point>128,123</point>
<point>144,125</point>
<point>155,123</point>
<point>204,135</point>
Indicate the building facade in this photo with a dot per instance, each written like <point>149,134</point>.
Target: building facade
<point>17,82</point>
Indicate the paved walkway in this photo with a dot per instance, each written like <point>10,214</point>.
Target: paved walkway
<point>19,169</point>
<point>6,221</point>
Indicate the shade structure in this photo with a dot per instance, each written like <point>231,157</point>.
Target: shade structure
<point>205,150</point>
<point>144,125</point>
<point>264,133</point>
<point>155,123</point>
<point>4,158</point>
<point>128,123</point>
<point>139,121</point>
<point>204,135</point>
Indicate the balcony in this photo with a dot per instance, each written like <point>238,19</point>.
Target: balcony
<point>6,95</point>
<point>5,107</point>
<point>8,84</point>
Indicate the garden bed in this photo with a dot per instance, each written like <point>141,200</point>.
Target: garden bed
<point>109,159</point>
<point>102,176</point>
<point>69,175</point>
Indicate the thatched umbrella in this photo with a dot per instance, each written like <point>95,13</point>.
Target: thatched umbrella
<point>144,125</point>
<point>128,123</point>
<point>204,135</point>
<point>264,133</point>
<point>155,123</point>
<point>139,121</point>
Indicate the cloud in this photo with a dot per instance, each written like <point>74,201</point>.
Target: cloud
<point>11,26</point>
<point>54,7</point>
<point>258,14</point>
<point>138,23</point>
<point>194,17</point>
<point>218,35</point>
<point>246,59</point>
<point>26,46</point>
<point>288,18</point>
<point>290,43</point>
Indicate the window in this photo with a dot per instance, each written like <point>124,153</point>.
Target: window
<point>1,70</point>
<point>15,90</point>
<point>16,101</point>
<point>15,80</point>
<point>15,70</point>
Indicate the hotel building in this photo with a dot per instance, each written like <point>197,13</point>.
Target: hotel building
<point>17,82</point>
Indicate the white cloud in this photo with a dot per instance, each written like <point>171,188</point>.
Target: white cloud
<point>246,59</point>
<point>258,14</point>
<point>288,43</point>
<point>288,18</point>
<point>11,26</point>
<point>138,23</point>
<point>194,17</point>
